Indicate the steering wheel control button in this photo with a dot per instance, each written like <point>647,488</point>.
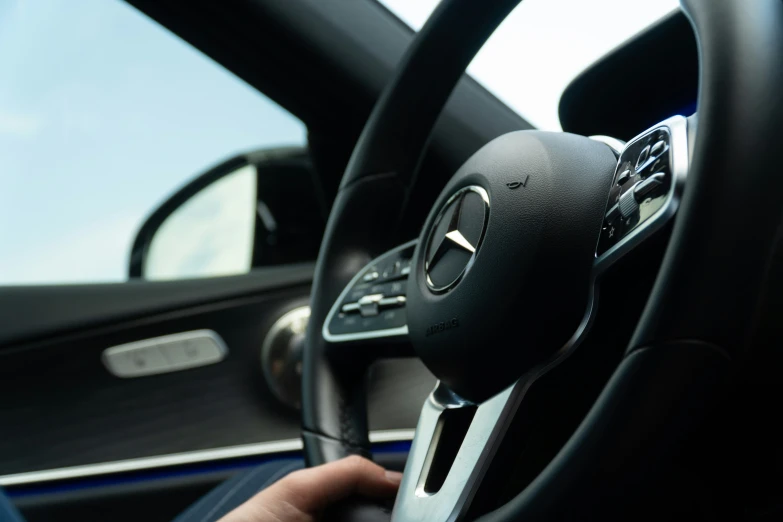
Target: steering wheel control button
<point>393,318</point>
<point>641,201</point>
<point>391,270</point>
<point>624,176</point>
<point>357,292</point>
<point>658,148</point>
<point>368,305</point>
<point>349,308</point>
<point>644,155</point>
<point>165,354</point>
<point>396,288</point>
<point>649,186</point>
<point>374,306</point>
<point>388,271</point>
<point>453,244</point>
<point>345,325</point>
<point>392,302</point>
<point>371,276</point>
<point>628,206</point>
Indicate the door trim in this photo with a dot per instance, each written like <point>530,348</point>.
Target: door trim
<point>177,459</point>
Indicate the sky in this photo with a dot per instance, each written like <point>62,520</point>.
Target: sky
<point>544,44</point>
<point>103,114</point>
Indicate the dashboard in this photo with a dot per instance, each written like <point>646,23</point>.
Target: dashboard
<point>651,77</point>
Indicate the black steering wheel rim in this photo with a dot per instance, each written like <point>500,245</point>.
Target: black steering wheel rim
<point>702,308</point>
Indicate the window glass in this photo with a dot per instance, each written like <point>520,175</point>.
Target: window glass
<point>211,234</point>
<point>104,114</point>
<point>544,44</point>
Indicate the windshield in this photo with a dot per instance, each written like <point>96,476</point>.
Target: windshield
<point>544,44</point>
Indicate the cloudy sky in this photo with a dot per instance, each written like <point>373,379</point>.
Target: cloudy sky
<point>544,44</point>
<point>103,114</point>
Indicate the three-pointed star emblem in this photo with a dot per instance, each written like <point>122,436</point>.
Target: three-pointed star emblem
<point>456,233</point>
<point>453,237</point>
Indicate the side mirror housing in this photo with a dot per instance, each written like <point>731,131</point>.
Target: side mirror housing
<point>257,209</point>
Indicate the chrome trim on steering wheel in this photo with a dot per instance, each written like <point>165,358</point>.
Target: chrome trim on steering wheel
<point>375,334</point>
<point>616,145</point>
<point>489,425</point>
<point>680,161</point>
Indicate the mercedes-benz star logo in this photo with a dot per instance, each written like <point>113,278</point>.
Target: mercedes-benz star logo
<point>456,237</point>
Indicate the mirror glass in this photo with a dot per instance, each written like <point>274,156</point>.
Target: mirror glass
<point>211,234</point>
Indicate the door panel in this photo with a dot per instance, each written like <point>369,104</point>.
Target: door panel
<point>61,407</point>
<point>29,313</point>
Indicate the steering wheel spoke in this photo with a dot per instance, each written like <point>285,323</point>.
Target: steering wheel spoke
<point>646,189</point>
<point>372,307</point>
<point>454,440</point>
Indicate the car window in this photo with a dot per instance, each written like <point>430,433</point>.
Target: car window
<point>544,44</point>
<point>103,115</point>
<point>211,234</point>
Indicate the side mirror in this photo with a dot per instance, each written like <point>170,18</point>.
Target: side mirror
<point>257,209</point>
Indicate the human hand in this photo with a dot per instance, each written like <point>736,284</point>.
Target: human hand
<point>304,494</point>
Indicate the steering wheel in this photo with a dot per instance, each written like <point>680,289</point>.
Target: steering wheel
<point>500,289</point>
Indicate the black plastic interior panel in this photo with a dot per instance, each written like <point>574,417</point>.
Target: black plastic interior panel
<point>652,77</point>
<point>61,407</point>
<point>34,312</point>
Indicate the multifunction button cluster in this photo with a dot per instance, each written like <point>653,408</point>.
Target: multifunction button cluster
<point>641,184</point>
<point>375,302</point>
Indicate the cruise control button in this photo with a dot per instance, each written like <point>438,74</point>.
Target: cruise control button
<point>643,156</point>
